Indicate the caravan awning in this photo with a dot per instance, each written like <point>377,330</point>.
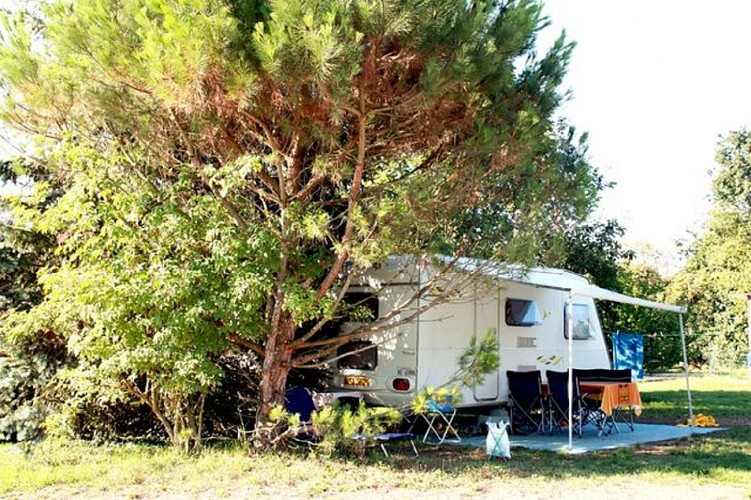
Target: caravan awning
<point>603,294</point>
<point>556,279</point>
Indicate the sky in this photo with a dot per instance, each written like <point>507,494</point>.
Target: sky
<point>655,83</point>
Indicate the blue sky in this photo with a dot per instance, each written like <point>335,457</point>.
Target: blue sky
<point>655,83</point>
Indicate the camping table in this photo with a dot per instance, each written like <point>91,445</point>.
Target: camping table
<point>614,395</point>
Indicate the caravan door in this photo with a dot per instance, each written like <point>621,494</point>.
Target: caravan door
<point>486,317</point>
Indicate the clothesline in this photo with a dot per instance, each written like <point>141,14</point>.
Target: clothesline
<point>648,335</point>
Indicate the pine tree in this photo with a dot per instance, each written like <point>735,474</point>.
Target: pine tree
<point>232,164</point>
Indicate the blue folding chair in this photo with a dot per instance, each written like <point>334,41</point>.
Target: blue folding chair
<point>441,415</point>
<point>387,437</point>
<point>298,400</point>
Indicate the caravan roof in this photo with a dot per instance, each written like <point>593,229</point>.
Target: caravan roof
<point>546,277</point>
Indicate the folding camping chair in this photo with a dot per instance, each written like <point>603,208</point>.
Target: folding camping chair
<point>383,438</point>
<point>590,403</point>
<point>388,437</point>
<point>594,401</point>
<point>441,416</point>
<point>526,402</point>
<point>623,414</point>
<point>298,400</point>
<point>558,401</point>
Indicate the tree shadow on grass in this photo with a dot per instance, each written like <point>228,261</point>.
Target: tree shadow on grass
<point>696,456</point>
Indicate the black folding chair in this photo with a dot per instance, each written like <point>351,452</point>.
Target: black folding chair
<point>526,402</point>
<point>621,375</point>
<point>593,374</point>
<point>620,414</point>
<point>558,401</point>
<point>593,401</point>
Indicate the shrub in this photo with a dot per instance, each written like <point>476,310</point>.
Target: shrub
<point>27,370</point>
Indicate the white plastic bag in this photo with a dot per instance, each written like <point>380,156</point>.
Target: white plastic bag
<point>497,443</point>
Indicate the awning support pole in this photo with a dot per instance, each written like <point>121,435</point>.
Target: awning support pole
<point>685,367</point>
<point>570,324</point>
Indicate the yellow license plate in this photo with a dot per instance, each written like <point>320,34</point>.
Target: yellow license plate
<point>357,381</point>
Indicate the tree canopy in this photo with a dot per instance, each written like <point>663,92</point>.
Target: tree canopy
<point>228,166</point>
<point>717,275</point>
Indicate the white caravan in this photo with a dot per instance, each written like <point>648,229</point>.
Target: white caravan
<point>527,313</point>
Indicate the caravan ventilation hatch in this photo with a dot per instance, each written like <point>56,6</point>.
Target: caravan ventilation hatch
<point>526,342</point>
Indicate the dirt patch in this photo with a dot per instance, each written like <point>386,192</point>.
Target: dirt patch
<point>663,448</point>
<point>734,421</point>
<point>488,488</point>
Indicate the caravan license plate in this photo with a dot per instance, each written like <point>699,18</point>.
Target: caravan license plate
<point>357,381</point>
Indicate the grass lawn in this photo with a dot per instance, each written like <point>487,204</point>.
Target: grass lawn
<point>713,466</point>
<point>728,399</point>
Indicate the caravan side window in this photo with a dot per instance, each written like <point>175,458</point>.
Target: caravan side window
<point>520,312</point>
<point>356,308</point>
<point>358,355</point>
<point>582,326</point>
<point>360,307</point>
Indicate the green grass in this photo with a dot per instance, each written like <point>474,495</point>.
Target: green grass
<point>720,397</point>
<point>717,465</point>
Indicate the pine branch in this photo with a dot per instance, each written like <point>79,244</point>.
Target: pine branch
<point>256,348</point>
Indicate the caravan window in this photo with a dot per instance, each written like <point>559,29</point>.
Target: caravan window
<point>358,355</point>
<point>520,312</point>
<point>355,309</point>
<point>582,327</point>
<point>360,307</point>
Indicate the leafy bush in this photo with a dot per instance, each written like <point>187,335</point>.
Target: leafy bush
<point>106,416</point>
<point>101,421</point>
<point>26,372</point>
<point>21,414</point>
<point>440,397</point>
<point>230,409</point>
<point>348,431</point>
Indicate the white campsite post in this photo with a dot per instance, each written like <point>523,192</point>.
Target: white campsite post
<point>748,358</point>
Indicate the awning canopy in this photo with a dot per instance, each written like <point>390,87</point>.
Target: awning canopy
<point>603,294</point>
<point>552,278</point>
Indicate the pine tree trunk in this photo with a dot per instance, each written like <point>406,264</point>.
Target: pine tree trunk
<point>276,366</point>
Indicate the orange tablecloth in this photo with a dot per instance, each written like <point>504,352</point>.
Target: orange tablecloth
<point>615,394</point>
